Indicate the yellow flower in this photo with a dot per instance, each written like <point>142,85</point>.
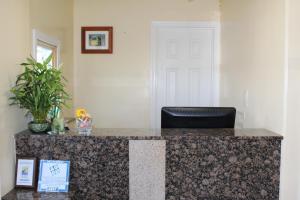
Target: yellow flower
<point>81,113</point>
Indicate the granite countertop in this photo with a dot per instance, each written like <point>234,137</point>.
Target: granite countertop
<point>29,194</point>
<point>124,133</point>
<point>214,163</point>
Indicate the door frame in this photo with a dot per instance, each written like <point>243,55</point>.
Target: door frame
<point>213,25</point>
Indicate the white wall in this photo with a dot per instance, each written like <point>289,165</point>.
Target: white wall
<point>254,36</point>
<point>116,88</point>
<point>15,42</point>
<point>253,60</point>
<point>290,181</point>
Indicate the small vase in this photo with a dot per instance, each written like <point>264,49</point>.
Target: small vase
<point>84,127</point>
<point>38,127</point>
<point>58,125</point>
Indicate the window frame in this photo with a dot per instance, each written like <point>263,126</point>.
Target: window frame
<point>45,40</point>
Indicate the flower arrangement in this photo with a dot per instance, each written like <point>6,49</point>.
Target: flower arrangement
<point>83,122</point>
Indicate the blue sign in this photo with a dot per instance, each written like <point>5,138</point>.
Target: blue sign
<point>54,176</point>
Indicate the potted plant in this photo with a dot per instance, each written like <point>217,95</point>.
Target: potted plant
<point>39,89</point>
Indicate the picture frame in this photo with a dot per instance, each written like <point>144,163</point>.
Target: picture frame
<point>97,40</point>
<point>26,172</point>
<point>54,176</point>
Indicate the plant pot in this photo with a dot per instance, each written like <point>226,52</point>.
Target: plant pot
<point>38,127</point>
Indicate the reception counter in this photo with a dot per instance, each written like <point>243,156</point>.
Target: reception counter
<point>163,164</point>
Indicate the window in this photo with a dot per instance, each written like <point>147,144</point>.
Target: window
<point>43,51</point>
<point>44,46</point>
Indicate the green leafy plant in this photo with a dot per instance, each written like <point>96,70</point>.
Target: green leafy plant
<point>39,89</point>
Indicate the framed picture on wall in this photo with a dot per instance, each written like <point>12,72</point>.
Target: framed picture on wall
<point>26,172</point>
<point>97,39</point>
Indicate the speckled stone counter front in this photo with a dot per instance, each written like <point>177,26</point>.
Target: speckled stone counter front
<point>200,164</point>
<point>223,168</point>
<point>99,167</point>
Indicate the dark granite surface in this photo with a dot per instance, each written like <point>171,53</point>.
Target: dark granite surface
<point>200,164</point>
<point>122,133</point>
<point>99,167</point>
<point>27,194</point>
<point>223,168</point>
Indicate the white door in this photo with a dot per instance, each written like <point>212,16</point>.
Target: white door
<point>184,66</point>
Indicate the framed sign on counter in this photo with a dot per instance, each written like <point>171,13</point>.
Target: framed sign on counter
<point>26,172</point>
<point>54,176</point>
